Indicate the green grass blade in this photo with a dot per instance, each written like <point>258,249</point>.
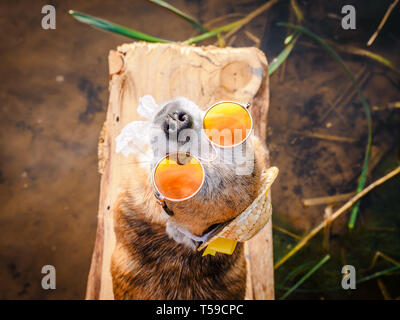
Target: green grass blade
<point>181,14</point>
<point>305,277</point>
<point>289,39</point>
<point>378,274</point>
<point>289,42</point>
<point>296,271</point>
<point>364,102</point>
<point>297,11</point>
<point>374,56</point>
<point>382,60</point>
<point>112,27</point>
<point>275,64</point>
<point>365,53</point>
<point>214,32</point>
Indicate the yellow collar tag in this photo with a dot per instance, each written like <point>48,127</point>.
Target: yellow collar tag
<point>247,224</point>
<point>222,245</point>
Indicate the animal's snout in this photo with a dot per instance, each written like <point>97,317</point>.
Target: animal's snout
<point>176,121</point>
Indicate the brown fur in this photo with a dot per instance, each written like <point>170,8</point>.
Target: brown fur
<point>147,264</point>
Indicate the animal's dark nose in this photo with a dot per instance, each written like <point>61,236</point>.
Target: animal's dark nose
<point>176,121</point>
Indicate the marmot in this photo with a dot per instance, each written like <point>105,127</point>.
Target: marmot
<point>154,258</point>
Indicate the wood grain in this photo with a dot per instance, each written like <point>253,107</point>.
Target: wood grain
<point>204,75</point>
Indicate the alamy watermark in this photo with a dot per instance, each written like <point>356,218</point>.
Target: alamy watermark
<point>349,20</point>
<point>349,277</point>
<point>49,280</point>
<point>49,20</point>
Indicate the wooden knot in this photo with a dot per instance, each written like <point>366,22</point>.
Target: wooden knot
<point>235,76</point>
<point>241,78</point>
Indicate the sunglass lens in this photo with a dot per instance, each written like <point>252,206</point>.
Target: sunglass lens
<point>178,176</point>
<point>227,124</point>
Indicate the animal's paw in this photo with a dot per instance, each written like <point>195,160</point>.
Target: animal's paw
<point>175,232</point>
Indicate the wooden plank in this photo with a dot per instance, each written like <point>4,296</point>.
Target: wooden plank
<point>204,75</point>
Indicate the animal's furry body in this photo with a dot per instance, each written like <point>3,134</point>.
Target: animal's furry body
<point>153,261</point>
<point>148,264</point>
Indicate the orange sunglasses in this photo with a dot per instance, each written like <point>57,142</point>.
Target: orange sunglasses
<point>227,123</point>
<point>179,176</point>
